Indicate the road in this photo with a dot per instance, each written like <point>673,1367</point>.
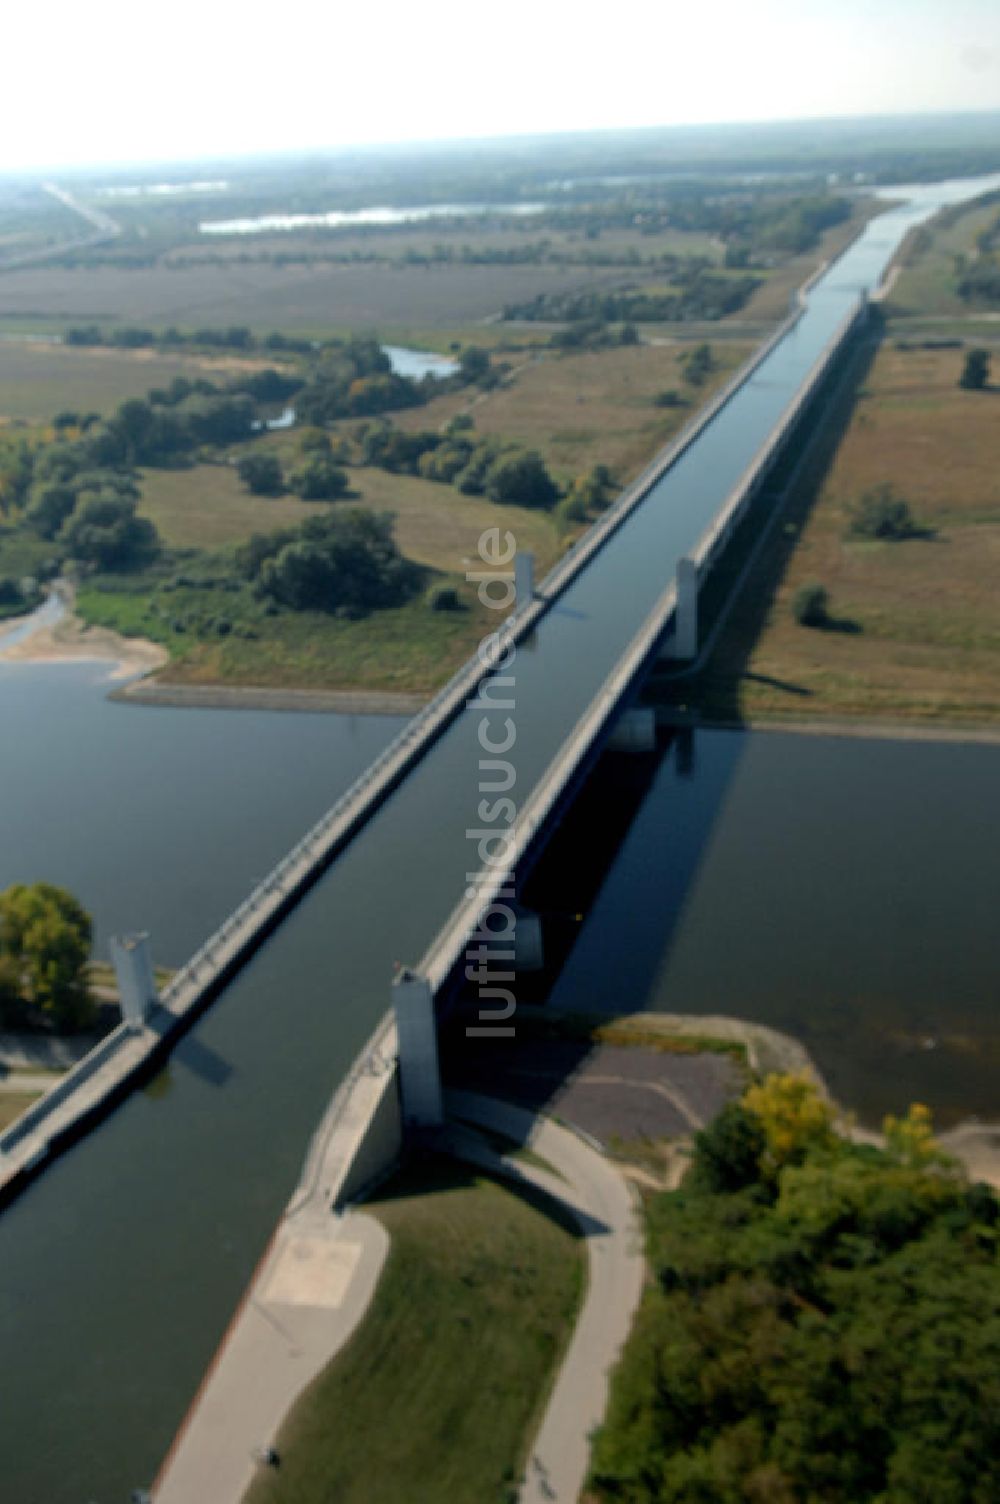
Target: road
<point>102,227</point>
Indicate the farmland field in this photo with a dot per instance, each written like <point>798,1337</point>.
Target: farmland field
<point>39,380</point>
<point>319,299</point>
<point>915,624</point>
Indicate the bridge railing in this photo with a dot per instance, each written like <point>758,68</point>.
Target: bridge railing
<point>719,529</point>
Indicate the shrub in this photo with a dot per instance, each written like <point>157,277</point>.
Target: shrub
<point>444,598</point>
<point>882,514</point>
<point>810,606</point>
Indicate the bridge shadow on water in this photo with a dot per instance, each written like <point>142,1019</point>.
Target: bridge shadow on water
<point>611,891</point>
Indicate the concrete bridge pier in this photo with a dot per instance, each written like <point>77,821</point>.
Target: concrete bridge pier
<point>524,579</point>
<point>684,641</point>
<point>134,970</point>
<point>419,1067</point>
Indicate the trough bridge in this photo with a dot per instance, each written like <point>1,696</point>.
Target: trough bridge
<point>123,1260</point>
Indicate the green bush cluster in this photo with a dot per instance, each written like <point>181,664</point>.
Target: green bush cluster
<point>824,1324</point>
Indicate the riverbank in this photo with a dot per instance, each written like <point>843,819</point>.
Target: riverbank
<point>976,1145</point>
<point>46,636</point>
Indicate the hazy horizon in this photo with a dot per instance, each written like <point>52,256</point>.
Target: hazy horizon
<point>227,83</point>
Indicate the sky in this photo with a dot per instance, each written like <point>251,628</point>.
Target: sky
<point>123,81</point>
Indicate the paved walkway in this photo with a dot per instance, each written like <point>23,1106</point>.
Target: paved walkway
<point>598,1198</point>
<point>318,1277</point>
<point>309,1294</point>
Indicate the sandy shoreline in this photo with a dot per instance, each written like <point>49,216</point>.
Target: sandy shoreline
<point>138,660</point>
<point>71,641</point>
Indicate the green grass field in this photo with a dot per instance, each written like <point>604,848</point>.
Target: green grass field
<point>409,649</point>
<point>926,283</point>
<point>438,1394</point>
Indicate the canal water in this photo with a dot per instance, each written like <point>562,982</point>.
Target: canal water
<point>121,1265</point>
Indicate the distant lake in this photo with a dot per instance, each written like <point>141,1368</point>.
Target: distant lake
<point>338,219</point>
<point>419,363</point>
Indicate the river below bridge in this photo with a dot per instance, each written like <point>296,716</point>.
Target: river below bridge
<point>121,1265</point>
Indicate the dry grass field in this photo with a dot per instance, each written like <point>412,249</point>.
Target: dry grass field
<point>919,620</point>
<point>422,239</point>
<point>317,299</point>
<point>207,507</point>
<point>587,409</point>
<point>39,380</point>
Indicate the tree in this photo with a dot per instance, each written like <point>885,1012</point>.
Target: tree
<point>344,561</point>
<point>793,1116</point>
<point>105,532</point>
<point>319,480</point>
<point>729,1152</point>
<point>976,371</point>
<point>49,509</point>
<point>521,480</point>
<point>261,474</point>
<point>698,365</point>
<point>45,940</point>
<point>473,363</point>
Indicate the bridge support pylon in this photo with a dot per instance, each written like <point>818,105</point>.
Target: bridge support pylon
<point>684,642</point>
<point>137,992</point>
<point>524,579</point>
<point>419,1068</point>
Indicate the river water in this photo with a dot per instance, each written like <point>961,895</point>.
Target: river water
<point>842,889</point>
<point>120,1267</point>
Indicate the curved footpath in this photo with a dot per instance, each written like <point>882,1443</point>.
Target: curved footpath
<point>588,1186</point>
<point>319,1274</point>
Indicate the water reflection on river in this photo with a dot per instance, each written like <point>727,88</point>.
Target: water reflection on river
<point>843,889</point>
<point>156,817</point>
